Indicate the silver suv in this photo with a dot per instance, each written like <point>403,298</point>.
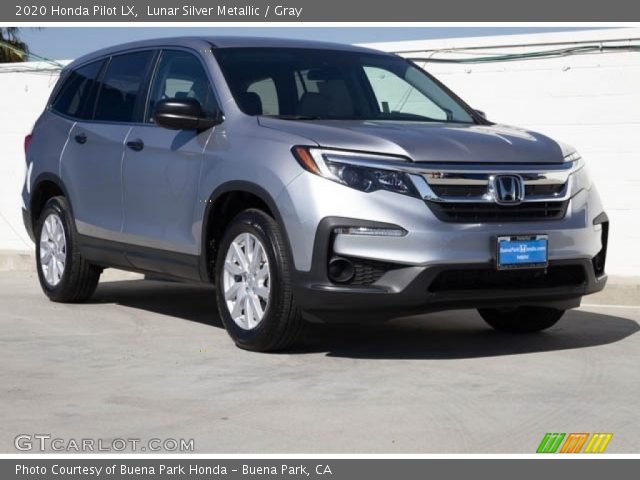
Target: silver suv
<point>306,181</point>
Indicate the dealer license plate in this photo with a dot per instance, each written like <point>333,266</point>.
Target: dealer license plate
<point>522,251</point>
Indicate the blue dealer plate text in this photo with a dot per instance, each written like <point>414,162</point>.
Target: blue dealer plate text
<point>518,252</point>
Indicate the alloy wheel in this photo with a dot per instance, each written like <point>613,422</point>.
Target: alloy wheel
<point>53,250</point>
<point>246,281</point>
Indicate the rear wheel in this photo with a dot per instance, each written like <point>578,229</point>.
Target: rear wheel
<point>253,284</point>
<point>521,319</point>
<point>64,275</point>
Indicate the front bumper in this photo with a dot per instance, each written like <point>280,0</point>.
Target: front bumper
<point>418,295</point>
<point>437,265</point>
<point>413,289</point>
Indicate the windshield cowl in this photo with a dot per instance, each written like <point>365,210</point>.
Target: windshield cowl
<point>381,118</point>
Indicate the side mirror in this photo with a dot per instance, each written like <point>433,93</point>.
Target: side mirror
<point>184,114</point>
<point>481,113</point>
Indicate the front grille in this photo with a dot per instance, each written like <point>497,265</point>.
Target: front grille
<point>470,190</point>
<point>459,212</point>
<point>542,189</point>
<point>453,190</point>
<point>490,279</point>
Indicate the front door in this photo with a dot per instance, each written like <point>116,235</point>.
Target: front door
<point>162,167</point>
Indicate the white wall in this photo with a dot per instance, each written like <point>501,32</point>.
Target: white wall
<point>591,101</point>
<point>22,97</point>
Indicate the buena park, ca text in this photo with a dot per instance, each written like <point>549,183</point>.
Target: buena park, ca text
<point>172,470</point>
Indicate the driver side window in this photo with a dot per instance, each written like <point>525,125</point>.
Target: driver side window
<point>181,75</point>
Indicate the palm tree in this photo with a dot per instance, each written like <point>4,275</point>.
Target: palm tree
<point>10,37</point>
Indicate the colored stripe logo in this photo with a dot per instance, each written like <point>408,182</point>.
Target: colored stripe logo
<point>574,443</point>
<point>598,442</point>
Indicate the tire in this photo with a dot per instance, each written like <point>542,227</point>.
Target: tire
<point>521,319</point>
<point>77,279</point>
<point>281,322</point>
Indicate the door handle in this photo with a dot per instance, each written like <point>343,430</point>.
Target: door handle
<point>135,145</point>
<point>81,138</point>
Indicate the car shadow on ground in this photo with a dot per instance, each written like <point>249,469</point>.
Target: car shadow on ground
<point>192,302</point>
<point>445,335</point>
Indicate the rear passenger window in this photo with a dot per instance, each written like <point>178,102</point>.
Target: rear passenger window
<point>74,97</point>
<point>120,87</point>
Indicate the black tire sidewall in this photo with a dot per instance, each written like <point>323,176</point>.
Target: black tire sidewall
<point>521,319</point>
<point>260,337</point>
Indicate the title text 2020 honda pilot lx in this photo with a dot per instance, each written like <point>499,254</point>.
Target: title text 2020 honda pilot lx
<point>306,181</point>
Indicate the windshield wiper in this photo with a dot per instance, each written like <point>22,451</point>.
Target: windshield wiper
<point>409,117</point>
<point>296,117</point>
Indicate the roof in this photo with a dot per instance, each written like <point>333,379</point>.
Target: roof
<point>224,42</point>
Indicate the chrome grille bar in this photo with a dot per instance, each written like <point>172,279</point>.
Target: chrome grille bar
<point>427,193</point>
<point>430,179</point>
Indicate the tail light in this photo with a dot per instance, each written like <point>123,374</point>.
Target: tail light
<point>27,142</point>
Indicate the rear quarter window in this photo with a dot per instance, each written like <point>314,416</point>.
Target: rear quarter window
<point>74,98</point>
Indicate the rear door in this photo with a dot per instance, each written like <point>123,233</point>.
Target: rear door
<point>92,159</point>
<point>162,167</point>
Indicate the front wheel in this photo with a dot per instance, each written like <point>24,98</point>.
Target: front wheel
<point>521,319</point>
<point>253,284</point>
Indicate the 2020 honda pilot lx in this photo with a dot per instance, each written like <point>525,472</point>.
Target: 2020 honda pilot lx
<point>306,181</point>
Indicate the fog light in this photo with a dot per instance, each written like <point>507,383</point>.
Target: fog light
<point>340,270</point>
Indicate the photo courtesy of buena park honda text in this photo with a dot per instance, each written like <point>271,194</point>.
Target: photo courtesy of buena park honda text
<point>331,240</point>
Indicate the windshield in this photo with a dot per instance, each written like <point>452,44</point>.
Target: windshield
<point>308,84</point>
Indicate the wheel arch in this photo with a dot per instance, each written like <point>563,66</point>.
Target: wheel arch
<point>251,196</point>
<point>46,186</point>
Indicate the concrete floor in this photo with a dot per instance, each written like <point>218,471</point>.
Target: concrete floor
<point>150,360</point>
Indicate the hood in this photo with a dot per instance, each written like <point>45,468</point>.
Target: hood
<point>429,142</point>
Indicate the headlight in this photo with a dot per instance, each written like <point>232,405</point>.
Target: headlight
<point>580,179</point>
<point>362,171</point>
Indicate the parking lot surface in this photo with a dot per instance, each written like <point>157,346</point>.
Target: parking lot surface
<point>150,359</point>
